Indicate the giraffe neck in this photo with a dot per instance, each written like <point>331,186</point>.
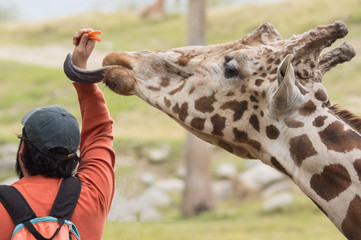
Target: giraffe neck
<point>323,157</point>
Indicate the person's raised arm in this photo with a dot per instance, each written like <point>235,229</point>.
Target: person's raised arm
<point>97,167</point>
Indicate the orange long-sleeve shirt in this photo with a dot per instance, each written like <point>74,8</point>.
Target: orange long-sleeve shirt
<point>96,172</point>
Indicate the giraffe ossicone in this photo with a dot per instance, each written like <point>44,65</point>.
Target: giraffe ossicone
<point>258,97</point>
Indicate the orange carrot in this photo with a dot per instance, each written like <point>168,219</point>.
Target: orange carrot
<point>93,35</point>
<point>95,32</point>
<point>95,38</point>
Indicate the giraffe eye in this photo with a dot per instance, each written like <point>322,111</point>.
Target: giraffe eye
<point>230,70</point>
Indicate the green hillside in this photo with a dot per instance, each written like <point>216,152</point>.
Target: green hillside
<point>25,86</point>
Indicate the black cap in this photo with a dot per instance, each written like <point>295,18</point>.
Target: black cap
<point>52,127</point>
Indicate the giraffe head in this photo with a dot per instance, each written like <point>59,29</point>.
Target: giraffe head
<point>229,94</point>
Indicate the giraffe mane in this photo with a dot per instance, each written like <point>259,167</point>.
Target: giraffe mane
<point>353,120</point>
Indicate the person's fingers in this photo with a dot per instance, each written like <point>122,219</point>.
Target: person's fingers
<point>77,36</point>
<point>83,41</point>
<point>90,45</point>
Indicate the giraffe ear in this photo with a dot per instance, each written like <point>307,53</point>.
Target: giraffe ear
<point>287,96</point>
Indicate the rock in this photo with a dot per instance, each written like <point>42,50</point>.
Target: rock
<point>181,172</point>
<point>276,188</point>
<point>147,178</point>
<point>9,149</point>
<point>170,185</point>
<point>222,190</point>
<point>8,159</point>
<point>122,210</point>
<point>152,197</point>
<point>278,201</point>
<point>259,176</point>
<point>160,154</point>
<point>150,215</point>
<point>226,170</point>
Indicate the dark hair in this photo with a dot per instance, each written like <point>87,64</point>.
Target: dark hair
<point>37,163</point>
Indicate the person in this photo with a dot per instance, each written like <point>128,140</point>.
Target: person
<point>48,153</point>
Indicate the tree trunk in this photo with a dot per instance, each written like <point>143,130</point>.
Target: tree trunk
<point>196,22</point>
<point>198,192</point>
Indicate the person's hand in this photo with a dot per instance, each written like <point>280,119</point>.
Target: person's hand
<point>83,47</point>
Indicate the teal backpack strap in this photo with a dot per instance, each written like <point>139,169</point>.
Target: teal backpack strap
<point>37,235</point>
<point>15,204</point>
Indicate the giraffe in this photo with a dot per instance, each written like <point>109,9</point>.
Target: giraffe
<point>259,97</point>
<point>155,10</point>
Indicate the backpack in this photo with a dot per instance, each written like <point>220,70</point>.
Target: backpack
<point>56,226</point>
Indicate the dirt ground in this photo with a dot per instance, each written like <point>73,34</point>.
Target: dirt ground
<point>49,56</point>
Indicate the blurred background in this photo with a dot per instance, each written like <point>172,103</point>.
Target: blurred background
<point>238,199</point>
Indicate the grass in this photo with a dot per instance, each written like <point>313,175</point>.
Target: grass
<point>235,222</point>
<point>137,125</point>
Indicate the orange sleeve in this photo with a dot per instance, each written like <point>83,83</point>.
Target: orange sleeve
<point>96,171</point>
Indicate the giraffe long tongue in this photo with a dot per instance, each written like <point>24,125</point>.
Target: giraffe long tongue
<point>80,75</point>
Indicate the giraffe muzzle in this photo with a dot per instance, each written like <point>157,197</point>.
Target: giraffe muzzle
<point>79,75</point>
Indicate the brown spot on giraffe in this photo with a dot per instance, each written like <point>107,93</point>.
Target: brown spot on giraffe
<point>165,81</point>
<point>272,132</point>
<point>243,89</point>
<point>237,107</point>
<point>167,102</point>
<point>301,148</point>
<point>293,123</point>
<point>307,109</point>
<point>351,224</point>
<point>225,146</point>
<point>205,104</point>
<point>181,111</point>
<point>184,59</point>
<point>279,166</point>
<point>357,166</point>
<point>253,99</point>
<point>253,120</point>
<point>192,90</point>
<point>333,180</point>
<point>259,82</point>
<point>152,88</point>
<point>242,137</point>
<point>337,139</point>
<point>264,94</point>
<point>219,124</point>
<point>270,60</point>
<point>319,121</point>
<point>274,71</point>
<point>321,95</point>
<point>198,123</point>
